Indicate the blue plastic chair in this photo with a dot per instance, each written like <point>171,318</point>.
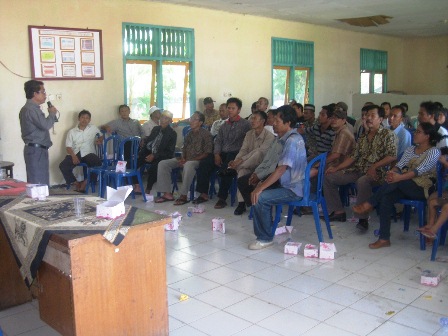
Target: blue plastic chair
<point>118,177</point>
<point>310,199</point>
<point>108,153</point>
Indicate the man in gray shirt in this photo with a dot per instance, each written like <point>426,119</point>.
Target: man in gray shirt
<point>35,132</point>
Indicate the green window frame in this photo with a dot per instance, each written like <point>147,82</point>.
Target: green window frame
<point>161,47</point>
<point>295,59</point>
<point>373,65</point>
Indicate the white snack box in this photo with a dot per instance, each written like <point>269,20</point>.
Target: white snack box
<point>283,229</point>
<point>429,278</point>
<point>218,224</point>
<point>176,218</point>
<point>199,208</point>
<point>114,206</point>
<point>292,248</point>
<point>310,251</point>
<point>327,251</point>
<point>121,167</point>
<point>36,190</point>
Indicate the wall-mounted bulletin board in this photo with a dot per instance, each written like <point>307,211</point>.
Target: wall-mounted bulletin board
<point>65,53</point>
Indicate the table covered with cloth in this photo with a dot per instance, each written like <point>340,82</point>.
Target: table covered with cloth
<point>29,224</point>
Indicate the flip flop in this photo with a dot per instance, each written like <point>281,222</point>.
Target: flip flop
<point>162,199</point>
<point>181,201</point>
<point>200,200</point>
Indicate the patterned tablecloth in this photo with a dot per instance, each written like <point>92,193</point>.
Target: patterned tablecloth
<point>29,223</point>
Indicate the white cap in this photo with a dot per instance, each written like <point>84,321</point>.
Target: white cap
<point>153,109</point>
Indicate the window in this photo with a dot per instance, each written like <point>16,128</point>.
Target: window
<point>373,71</point>
<point>159,69</point>
<point>292,71</point>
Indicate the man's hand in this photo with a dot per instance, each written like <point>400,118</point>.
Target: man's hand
<point>256,194</point>
<point>235,163</point>
<point>52,109</point>
<point>149,158</point>
<point>181,162</point>
<point>75,160</point>
<point>253,179</point>
<point>372,173</point>
<point>218,160</point>
<point>331,170</point>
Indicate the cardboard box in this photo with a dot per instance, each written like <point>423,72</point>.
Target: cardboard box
<point>121,167</point>
<point>114,206</point>
<point>218,224</point>
<point>327,251</point>
<point>39,191</point>
<point>310,251</point>
<point>199,208</point>
<point>429,278</point>
<point>292,248</point>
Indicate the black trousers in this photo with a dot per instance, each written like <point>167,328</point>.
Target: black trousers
<point>66,166</point>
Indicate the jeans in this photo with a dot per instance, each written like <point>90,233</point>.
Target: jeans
<point>263,223</point>
<point>389,194</point>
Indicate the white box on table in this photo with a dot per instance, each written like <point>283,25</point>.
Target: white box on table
<point>327,251</point>
<point>218,224</point>
<point>292,247</point>
<point>114,206</point>
<point>37,190</point>
<point>310,251</point>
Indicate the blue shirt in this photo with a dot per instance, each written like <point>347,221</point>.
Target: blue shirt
<point>294,157</point>
<point>404,139</point>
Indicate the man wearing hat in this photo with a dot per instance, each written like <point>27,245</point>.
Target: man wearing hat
<point>211,115</point>
<point>154,119</point>
<point>350,122</point>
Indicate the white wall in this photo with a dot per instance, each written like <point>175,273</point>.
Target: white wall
<point>233,54</point>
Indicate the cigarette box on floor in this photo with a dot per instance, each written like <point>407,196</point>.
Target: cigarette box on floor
<point>429,278</point>
<point>218,224</point>
<point>310,251</point>
<point>292,247</point>
<point>327,251</point>
<point>114,206</point>
<point>37,190</point>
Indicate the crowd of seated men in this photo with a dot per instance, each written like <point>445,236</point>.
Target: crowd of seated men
<point>382,149</point>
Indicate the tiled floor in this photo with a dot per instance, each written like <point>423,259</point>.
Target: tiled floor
<point>235,291</point>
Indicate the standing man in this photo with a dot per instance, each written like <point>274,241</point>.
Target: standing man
<point>80,145</point>
<point>211,115</point>
<point>35,132</point>
<point>285,184</point>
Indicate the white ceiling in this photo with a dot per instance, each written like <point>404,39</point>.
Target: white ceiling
<point>411,18</point>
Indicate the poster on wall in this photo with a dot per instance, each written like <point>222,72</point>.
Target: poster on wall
<point>65,53</point>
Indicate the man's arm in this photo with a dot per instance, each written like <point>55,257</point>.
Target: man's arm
<point>275,176</point>
<point>70,152</point>
<point>343,165</point>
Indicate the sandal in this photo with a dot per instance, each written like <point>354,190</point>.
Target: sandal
<point>163,199</point>
<point>200,200</point>
<point>181,201</point>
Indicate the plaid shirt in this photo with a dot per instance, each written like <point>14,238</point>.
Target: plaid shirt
<point>231,136</point>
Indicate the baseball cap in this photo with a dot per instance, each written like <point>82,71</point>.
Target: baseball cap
<point>153,109</point>
<point>339,113</point>
<point>208,100</point>
<point>343,106</point>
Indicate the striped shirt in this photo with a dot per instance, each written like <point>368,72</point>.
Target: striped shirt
<point>426,165</point>
<point>321,140</point>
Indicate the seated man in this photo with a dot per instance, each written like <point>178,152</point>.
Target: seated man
<point>80,145</point>
<point>154,120</point>
<point>366,166</point>
<point>285,184</point>
<point>320,136</point>
<point>224,115</point>
<point>198,145</point>
<point>227,145</point>
<point>254,148</point>
<point>428,112</point>
<point>396,125</point>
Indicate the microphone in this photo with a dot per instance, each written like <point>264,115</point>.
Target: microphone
<point>49,104</point>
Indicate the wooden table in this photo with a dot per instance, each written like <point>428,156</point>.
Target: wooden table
<point>88,286</point>
<point>9,168</point>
